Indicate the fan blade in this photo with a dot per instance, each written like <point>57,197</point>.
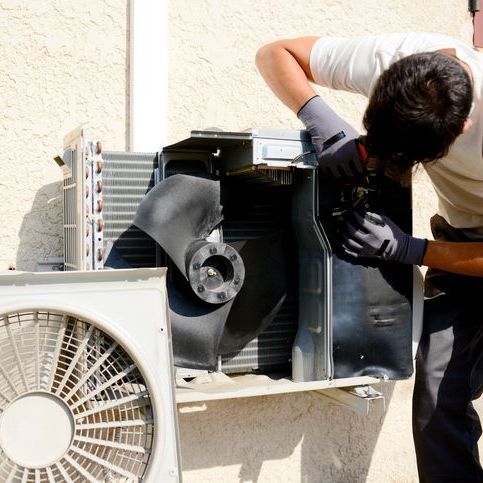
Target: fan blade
<point>178,211</point>
<point>197,328</point>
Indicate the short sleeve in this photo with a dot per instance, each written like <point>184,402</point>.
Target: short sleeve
<point>355,64</point>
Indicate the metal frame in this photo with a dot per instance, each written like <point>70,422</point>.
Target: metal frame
<point>217,385</point>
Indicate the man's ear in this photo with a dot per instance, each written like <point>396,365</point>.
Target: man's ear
<point>468,123</point>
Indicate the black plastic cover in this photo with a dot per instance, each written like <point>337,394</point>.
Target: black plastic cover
<point>371,301</point>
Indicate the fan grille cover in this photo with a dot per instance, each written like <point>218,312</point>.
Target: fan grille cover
<point>74,406</point>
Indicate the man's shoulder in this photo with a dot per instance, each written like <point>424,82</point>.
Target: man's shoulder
<point>392,42</point>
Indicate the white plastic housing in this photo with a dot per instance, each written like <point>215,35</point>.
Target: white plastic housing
<point>130,307</point>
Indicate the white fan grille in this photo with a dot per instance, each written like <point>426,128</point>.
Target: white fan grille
<point>45,353</point>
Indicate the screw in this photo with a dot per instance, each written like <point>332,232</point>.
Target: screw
<point>236,281</point>
<point>221,296</point>
<point>233,258</point>
<point>201,288</point>
<point>213,250</point>
<point>196,266</point>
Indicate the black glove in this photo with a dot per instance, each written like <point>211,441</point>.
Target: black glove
<point>335,141</point>
<point>376,236</point>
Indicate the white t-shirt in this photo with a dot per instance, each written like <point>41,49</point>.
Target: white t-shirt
<point>355,64</point>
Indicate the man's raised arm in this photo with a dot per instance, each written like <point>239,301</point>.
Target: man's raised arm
<point>285,66</point>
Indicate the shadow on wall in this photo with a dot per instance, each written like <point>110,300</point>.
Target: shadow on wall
<point>335,444</point>
<point>41,230</point>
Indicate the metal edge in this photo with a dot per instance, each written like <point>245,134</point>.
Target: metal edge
<point>259,385</point>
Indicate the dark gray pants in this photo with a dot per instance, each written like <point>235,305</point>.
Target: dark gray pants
<point>449,374</point>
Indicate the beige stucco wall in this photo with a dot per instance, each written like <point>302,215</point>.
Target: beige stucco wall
<point>64,62</point>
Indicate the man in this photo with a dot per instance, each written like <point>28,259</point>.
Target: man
<point>425,106</point>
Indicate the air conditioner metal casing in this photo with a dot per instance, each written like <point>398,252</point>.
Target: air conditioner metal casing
<point>262,158</point>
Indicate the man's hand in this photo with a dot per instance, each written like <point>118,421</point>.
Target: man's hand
<point>335,141</point>
<point>376,236</point>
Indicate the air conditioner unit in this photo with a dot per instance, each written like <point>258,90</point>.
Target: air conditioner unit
<point>340,319</point>
<point>86,379</point>
<point>102,191</point>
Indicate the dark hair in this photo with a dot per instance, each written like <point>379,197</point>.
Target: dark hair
<point>417,109</point>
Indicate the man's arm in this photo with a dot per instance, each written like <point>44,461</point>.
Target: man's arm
<point>372,235</point>
<point>456,257</point>
<point>285,66</point>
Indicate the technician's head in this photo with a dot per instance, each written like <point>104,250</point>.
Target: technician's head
<point>417,109</point>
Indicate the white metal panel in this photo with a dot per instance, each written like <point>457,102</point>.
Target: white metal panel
<point>148,74</point>
<point>119,303</point>
<point>220,386</point>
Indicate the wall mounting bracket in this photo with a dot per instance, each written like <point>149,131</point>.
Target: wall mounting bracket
<point>356,398</point>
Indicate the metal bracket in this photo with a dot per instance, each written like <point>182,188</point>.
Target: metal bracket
<point>306,160</point>
<point>50,264</point>
<point>357,398</point>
